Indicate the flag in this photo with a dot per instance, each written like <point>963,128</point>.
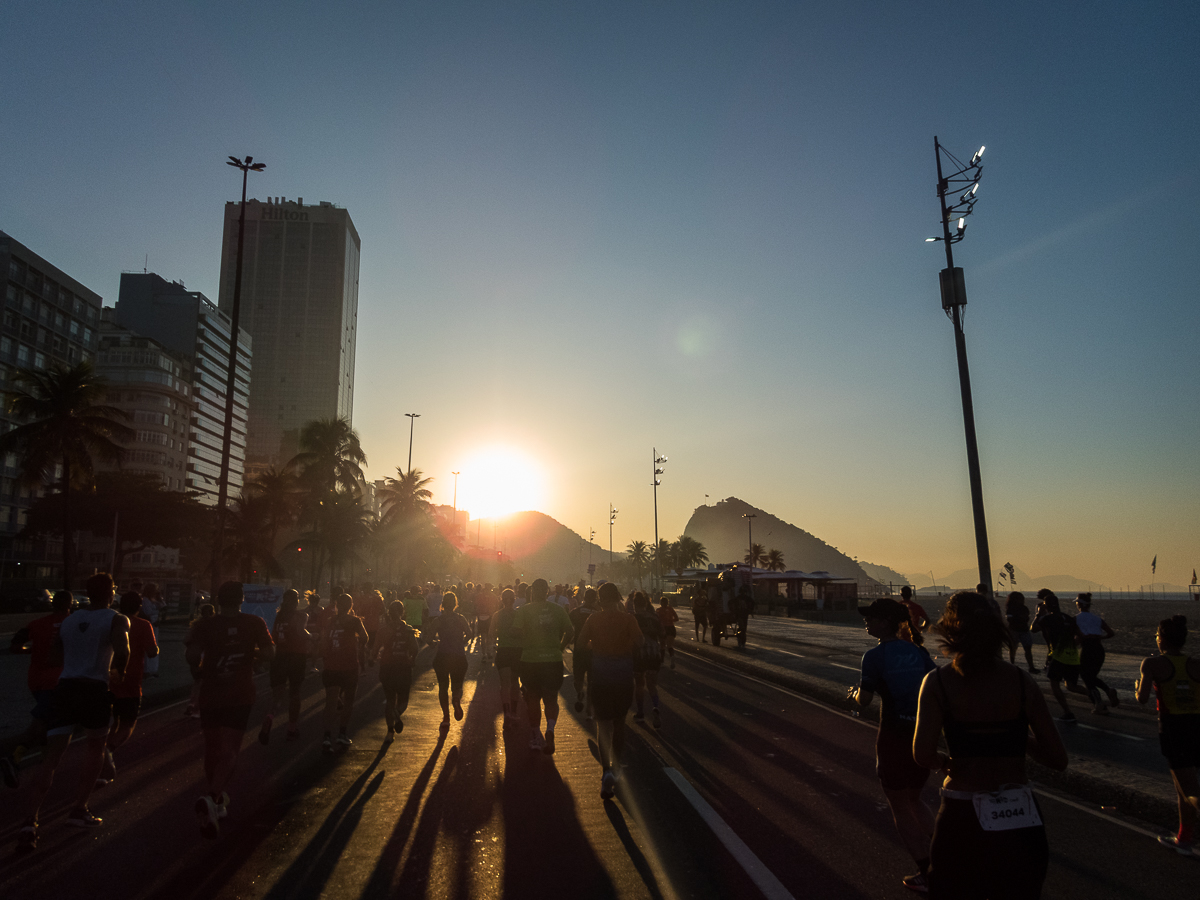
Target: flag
<point>1154,564</point>
<point>1193,576</point>
<point>1012,574</point>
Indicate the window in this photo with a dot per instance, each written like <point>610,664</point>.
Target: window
<point>28,304</point>
<point>74,330</point>
<point>60,321</point>
<point>87,335</point>
<point>39,360</point>
<point>5,346</point>
<point>44,313</point>
<point>22,355</point>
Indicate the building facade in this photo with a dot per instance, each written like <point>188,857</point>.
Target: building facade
<point>153,386</point>
<point>299,299</point>
<point>187,324</point>
<point>47,318</point>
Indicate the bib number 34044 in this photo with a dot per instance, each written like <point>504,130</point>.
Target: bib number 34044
<point>1007,809</point>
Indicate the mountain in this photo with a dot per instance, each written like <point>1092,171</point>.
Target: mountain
<point>966,579</point>
<point>542,547</point>
<point>722,531</point>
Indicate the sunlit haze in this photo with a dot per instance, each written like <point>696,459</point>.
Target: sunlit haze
<point>590,230</point>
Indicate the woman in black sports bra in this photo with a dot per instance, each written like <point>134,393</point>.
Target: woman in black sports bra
<point>989,821</point>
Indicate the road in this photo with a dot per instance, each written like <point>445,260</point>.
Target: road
<point>749,790</point>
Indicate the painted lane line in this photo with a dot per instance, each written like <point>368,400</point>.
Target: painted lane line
<point>1129,737</point>
<point>833,709</point>
<point>802,656</point>
<point>771,887</point>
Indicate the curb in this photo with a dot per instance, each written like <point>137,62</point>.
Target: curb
<point>1080,785</point>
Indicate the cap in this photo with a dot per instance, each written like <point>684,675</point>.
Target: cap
<point>885,608</point>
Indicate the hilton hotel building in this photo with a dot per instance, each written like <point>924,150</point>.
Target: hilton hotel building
<point>300,301</point>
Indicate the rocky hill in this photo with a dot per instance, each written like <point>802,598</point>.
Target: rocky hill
<point>542,547</point>
<point>722,531</point>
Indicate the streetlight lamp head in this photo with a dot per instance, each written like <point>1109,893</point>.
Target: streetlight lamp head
<point>962,224</point>
<point>931,240</point>
<point>658,471</point>
<point>978,155</point>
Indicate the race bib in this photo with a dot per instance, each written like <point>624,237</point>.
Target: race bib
<point>1007,809</point>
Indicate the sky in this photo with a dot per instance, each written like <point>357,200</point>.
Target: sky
<point>595,230</point>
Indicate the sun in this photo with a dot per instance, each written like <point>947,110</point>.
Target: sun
<point>498,480</point>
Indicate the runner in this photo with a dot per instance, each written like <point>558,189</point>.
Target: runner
<point>544,630</point>
<point>40,640</point>
<point>580,654</point>
<point>344,651</point>
<point>1062,635</point>
<point>611,636</point>
<point>414,611</point>
<point>370,608</point>
<point>222,651</point>
<point>986,709</point>
<point>894,670</point>
<point>396,648</point>
<point>1175,679</point>
<point>1017,615</point>
<point>192,710</point>
<point>508,655</point>
<point>668,617</point>
<point>292,643</point>
<point>918,619</point>
<point>1093,630</point>
<point>700,610</point>
<point>485,608</point>
<point>126,687</point>
<point>94,640</point>
<point>647,660</point>
<point>451,632</point>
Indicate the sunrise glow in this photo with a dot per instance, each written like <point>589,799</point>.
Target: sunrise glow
<point>499,480</point>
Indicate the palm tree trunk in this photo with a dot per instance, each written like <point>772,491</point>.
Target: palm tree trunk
<point>66,492</point>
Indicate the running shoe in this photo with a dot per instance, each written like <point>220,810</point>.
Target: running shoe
<point>537,742</point>
<point>344,740</point>
<point>399,725</point>
<point>458,713</point>
<point>608,786</point>
<point>445,726</point>
<point>1114,698</point>
<point>27,839</point>
<point>390,736</point>
<point>1067,717</point>
<point>548,749</point>
<point>222,805</point>
<point>8,772</point>
<point>108,768</point>
<point>579,705</point>
<point>207,816</point>
<point>264,733</point>
<point>916,883</point>
<point>656,717</point>
<point>327,744</point>
<point>1174,844</point>
<point>82,818</point>
<point>639,717</point>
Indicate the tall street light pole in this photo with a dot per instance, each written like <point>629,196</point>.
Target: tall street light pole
<point>412,421</point>
<point>658,461</point>
<point>750,517</point>
<point>247,166</point>
<point>954,298</point>
<point>612,517</point>
<point>454,521</point>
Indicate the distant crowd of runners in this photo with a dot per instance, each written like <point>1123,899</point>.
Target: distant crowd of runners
<point>87,665</point>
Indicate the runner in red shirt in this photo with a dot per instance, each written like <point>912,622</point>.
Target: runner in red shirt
<point>40,640</point>
<point>221,651</point>
<point>127,688</point>
<point>293,643</point>
<point>370,607</point>
<point>916,614</point>
<point>668,617</point>
<point>344,649</point>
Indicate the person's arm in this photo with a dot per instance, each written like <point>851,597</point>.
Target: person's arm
<point>1037,622</point>
<point>265,649</point>
<point>413,647</point>
<point>119,636</point>
<point>153,650</point>
<point>1144,686</point>
<point>929,728</point>
<point>863,692</point>
<point>1108,632</point>
<point>19,641</point>
<point>364,641</point>
<point>1045,745</point>
<point>568,631</point>
<point>583,639</point>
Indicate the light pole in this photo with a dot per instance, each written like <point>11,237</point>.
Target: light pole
<point>612,517</point>
<point>750,517</point>
<point>454,521</point>
<point>412,421</point>
<point>247,166</point>
<point>591,538</point>
<point>658,461</point>
<point>954,298</point>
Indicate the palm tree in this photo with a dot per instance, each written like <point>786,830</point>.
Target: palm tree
<point>661,555</point>
<point>689,552</point>
<point>248,543</point>
<point>754,557</point>
<point>277,493</point>
<point>773,561</point>
<point>65,428</point>
<point>638,557</point>
<point>330,457</point>
<point>401,497</point>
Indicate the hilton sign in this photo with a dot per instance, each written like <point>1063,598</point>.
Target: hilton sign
<point>279,214</point>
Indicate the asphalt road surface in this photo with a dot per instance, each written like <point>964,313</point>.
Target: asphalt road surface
<point>747,791</point>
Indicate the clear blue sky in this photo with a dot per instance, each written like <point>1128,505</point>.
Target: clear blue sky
<point>589,229</point>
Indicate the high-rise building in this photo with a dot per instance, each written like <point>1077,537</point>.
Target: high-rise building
<point>299,299</point>
<point>152,386</point>
<point>48,319</point>
<point>188,324</point>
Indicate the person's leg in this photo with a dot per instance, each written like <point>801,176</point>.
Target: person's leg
<point>226,744</point>
<point>403,689</point>
<point>349,693</point>
<point>43,776</point>
<point>639,691</point>
<point>652,687</point>
<point>1187,795</point>
<point>914,822</point>
<point>506,691</point>
<point>1027,644</point>
<point>458,671</point>
<point>389,706</point>
<point>604,741</point>
<point>441,669</point>
<point>294,689</point>
<point>332,693</point>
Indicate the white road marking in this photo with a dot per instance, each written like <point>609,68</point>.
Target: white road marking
<point>762,877</point>
<point>1130,737</point>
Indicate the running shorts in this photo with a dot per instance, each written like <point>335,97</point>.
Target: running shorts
<point>79,701</point>
<point>1179,739</point>
<point>610,681</point>
<point>508,657</point>
<point>346,679</point>
<point>701,617</point>
<point>1061,671</point>
<point>1023,637</point>
<point>395,677</point>
<point>967,862</point>
<point>125,709</point>
<point>234,717</point>
<point>541,679</point>
<point>670,630</point>
<point>894,760</point>
<point>288,668</point>
<point>43,704</point>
